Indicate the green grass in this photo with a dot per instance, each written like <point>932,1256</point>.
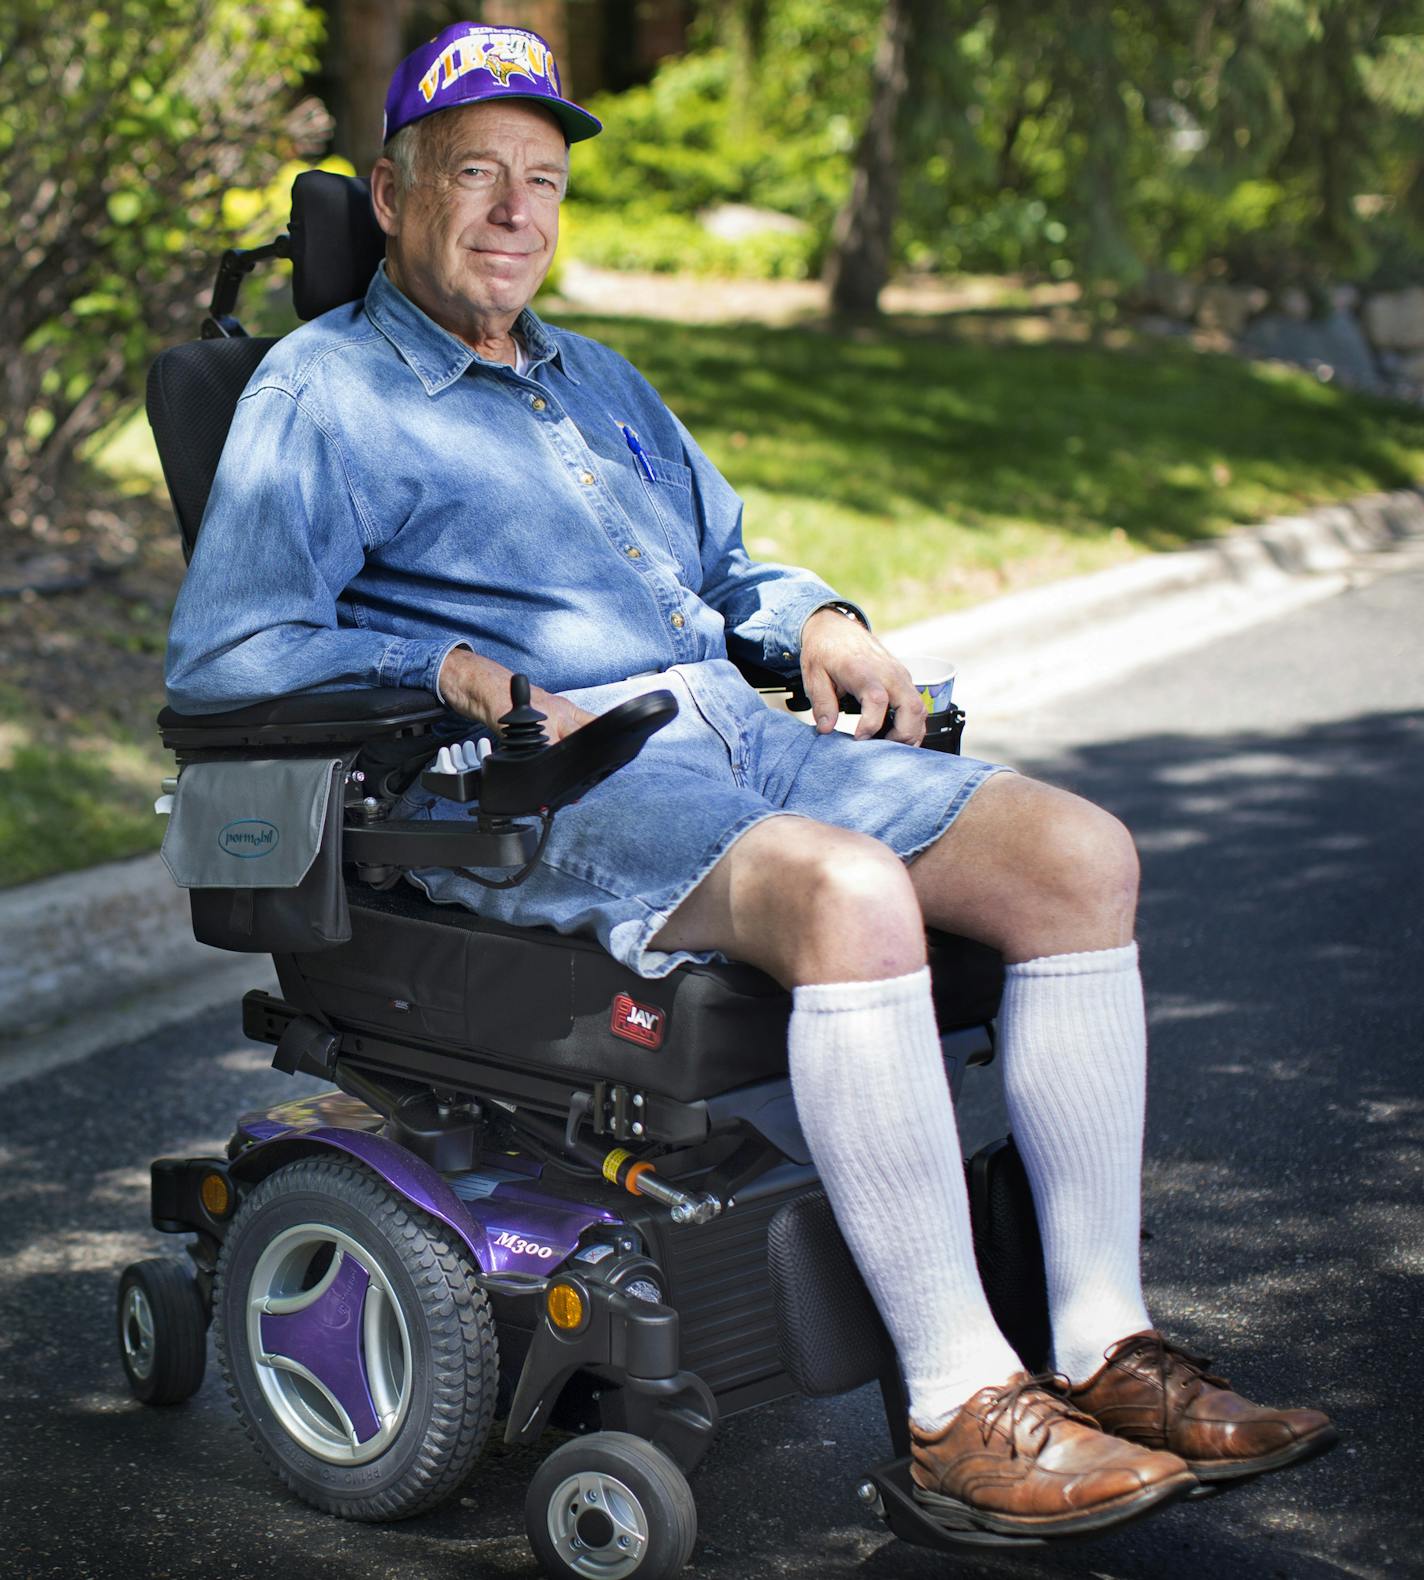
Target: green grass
<point>68,806</point>
<point>126,454</point>
<point>917,471</point>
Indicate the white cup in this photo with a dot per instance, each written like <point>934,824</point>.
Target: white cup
<point>933,677</point>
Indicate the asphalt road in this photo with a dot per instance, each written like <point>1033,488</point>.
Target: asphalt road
<point>1273,783</point>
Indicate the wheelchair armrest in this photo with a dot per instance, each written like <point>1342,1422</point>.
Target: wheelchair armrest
<point>760,678</point>
<point>765,680</point>
<point>311,718</point>
<point>512,784</point>
<point>943,732</point>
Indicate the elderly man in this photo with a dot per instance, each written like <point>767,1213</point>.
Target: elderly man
<point>433,488</point>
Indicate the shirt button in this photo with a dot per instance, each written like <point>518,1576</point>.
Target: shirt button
<point>678,622</point>
<point>633,553</point>
<point>538,403</point>
<point>587,479</point>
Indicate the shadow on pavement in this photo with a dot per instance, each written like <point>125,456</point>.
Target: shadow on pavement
<point>1282,952</point>
<point>1281,938</point>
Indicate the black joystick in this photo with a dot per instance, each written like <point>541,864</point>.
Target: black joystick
<point>521,730</point>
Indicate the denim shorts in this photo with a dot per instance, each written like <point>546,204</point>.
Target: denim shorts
<point>620,861</point>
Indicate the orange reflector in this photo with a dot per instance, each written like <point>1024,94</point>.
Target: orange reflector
<point>215,1195</point>
<point>565,1306</point>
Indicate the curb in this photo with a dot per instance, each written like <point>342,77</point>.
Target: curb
<point>81,954</point>
<point>1033,647</point>
<point>83,939</point>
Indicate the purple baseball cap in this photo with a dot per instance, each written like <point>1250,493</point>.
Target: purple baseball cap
<point>469,63</point>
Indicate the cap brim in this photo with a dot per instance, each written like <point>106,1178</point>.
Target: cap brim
<point>577,124</point>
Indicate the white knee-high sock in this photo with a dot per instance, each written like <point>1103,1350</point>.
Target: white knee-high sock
<point>1073,1040</point>
<point>868,1077</point>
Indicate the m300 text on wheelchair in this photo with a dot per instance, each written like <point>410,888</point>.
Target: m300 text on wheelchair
<point>433,488</point>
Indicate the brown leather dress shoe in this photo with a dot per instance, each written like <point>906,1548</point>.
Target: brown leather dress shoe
<point>1155,1393</point>
<point>1017,1460</point>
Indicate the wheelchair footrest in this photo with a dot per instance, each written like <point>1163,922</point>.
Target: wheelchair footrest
<point>890,1492</point>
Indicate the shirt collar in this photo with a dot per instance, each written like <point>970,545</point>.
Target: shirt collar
<point>434,355</point>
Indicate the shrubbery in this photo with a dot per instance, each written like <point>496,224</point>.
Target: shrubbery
<point>120,129</point>
<point>712,129</point>
<point>643,236</point>
<point>1283,142</point>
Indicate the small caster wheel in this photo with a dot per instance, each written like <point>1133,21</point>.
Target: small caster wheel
<point>610,1506</point>
<point>163,1331</point>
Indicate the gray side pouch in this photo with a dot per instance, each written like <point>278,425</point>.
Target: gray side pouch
<point>258,847</point>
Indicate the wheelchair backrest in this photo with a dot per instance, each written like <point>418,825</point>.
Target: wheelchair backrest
<point>192,393</point>
<point>335,244</point>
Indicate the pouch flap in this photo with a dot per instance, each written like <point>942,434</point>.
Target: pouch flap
<point>249,825</point>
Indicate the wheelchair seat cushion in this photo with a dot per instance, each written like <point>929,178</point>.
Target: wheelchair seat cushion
<point>440,977</point>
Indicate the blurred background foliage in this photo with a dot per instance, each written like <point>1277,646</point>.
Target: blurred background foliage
<point>1280,141</point>
<point>769,120</point>
<point>121,127</point>
<point>1084,158</point>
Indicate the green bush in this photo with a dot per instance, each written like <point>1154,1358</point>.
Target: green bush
<point>120,129</point>
<point>686,141</point>
<point>643,237</point>
<point>711,128</point>
<point>1092,138</point>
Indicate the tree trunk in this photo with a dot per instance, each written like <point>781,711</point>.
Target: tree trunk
<point>370,45</point>
<point>741,28</point>
<point>859,260</point>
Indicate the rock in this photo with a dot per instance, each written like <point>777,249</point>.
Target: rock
<point>1394,320</point>
<point>1293,303</point>
<point>1412,368</point>
<point>1335,342</point>
<point>1230,308</point>
<point>44,574</point>
<point>1172,294</point>
<point>1159,324</point>
<point>737,221</point>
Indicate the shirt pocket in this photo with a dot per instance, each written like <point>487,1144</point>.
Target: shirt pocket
<point>670,489</point>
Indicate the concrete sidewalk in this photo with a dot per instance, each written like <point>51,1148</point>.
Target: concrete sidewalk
<point>106,955</point>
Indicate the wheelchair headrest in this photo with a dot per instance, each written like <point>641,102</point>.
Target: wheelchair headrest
<point>336,242</point>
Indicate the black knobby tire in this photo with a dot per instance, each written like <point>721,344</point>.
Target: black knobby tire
<point>620,1469</point>
<point>163,1331</point>
<point>452,1364</point>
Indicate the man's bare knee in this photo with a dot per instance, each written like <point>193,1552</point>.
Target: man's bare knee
<point>857,917</point>
<point>1032,870</point>
<point>1088,857</point>
<point>805,902</point>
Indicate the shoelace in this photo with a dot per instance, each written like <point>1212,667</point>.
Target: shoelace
<point>1016,1399</point>
<point>1168,1359</point>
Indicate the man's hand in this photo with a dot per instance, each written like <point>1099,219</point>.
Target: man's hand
<point>839,656</point>
<point>478,688</point>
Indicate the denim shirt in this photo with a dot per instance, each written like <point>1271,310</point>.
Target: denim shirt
<point>385,495</point>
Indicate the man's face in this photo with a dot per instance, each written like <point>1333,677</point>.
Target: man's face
<point>471,242</point>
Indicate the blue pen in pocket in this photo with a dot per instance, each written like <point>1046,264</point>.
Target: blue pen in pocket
<point>645,466</point>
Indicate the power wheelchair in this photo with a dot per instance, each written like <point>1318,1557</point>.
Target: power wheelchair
<point>538,1187</point>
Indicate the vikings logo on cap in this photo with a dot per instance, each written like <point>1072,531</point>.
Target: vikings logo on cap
<point>502,55</point>
<point>468,63</point>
